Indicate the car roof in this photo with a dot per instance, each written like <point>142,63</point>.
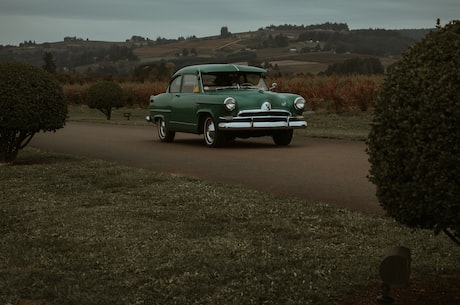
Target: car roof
<point>209,68</point>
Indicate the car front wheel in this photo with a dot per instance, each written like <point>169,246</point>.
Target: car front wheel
<point>164,134</point>
<point>212,136</point>
<point>283,137</point>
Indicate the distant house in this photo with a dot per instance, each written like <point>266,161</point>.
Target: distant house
<point>139,41</point>
<point>70,39</point>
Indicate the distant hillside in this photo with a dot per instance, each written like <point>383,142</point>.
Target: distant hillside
<point>291,48</point>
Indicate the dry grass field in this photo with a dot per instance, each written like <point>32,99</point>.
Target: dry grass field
<point>289,61</point>
<point>204,47</point>
<point>300,67</point>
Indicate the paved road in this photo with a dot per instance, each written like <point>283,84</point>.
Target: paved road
<point>321,170</point>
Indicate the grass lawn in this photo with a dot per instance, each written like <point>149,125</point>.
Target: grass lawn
<point>82,113</point>
<point>81,231</point>
<point>346,126</point>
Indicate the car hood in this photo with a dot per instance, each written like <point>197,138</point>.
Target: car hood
<point>254,99</point>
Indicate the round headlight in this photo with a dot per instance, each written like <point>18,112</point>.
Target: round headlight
<point>299,103</point>
<point>230,103</point>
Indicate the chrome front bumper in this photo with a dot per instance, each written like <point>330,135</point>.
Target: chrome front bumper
<point>261,122</point>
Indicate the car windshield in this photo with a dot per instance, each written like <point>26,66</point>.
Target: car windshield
<point>233,80</point>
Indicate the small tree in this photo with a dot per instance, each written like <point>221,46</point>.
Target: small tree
<point>104,96</point>
<point>31,100</point>
<point>49,65</point>
<point>224,32</point>
<point>414,143</point>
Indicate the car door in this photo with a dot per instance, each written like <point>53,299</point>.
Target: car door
<point>183,110</point>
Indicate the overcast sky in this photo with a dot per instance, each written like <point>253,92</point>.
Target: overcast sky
<point>118,20</point>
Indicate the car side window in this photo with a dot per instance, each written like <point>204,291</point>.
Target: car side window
<point>174,86</point>
<point>190,84</point>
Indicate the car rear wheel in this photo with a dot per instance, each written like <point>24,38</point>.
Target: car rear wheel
<point>212,136</point>
<point>283,137</point>
<point>164,134</point>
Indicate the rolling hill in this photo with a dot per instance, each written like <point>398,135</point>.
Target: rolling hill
<point>292,49</point>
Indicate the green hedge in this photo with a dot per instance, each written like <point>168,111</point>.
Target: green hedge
<point>414,143</point>
<point>31,100</point>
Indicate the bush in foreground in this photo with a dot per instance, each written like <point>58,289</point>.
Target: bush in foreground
<point>414,143</point>
<point>31,100</point>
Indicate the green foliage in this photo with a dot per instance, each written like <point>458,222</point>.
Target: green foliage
<point>376,42</point>
<point>49,65</point>
<point>104,96</point>
<point>224,32</point>
<point>158,71</point>
<point>414,143</point>
<point>279,41</point>
<point>31,100</point>
<point>357,65</point>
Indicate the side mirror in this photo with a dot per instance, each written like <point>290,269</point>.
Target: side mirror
<point>274,85</point>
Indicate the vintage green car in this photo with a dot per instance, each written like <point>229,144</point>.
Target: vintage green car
<point>224,102</point>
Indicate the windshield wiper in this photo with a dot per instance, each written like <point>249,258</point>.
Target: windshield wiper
<point>244,86</point>
<point>227,87</point>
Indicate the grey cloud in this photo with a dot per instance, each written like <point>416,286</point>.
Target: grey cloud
<point>173,18</point>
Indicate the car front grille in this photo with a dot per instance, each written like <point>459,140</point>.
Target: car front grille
<point>262,113</point>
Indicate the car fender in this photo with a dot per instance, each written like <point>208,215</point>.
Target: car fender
<point>159,108</point>
<point>200,115</point>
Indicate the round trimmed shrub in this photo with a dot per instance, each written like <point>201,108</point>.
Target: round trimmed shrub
<point>414,143</point>
<point>31,100</point>
<point>104,96</point>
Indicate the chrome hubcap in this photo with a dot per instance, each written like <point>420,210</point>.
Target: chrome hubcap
<point>162,128</point>
<point>210,131</point>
